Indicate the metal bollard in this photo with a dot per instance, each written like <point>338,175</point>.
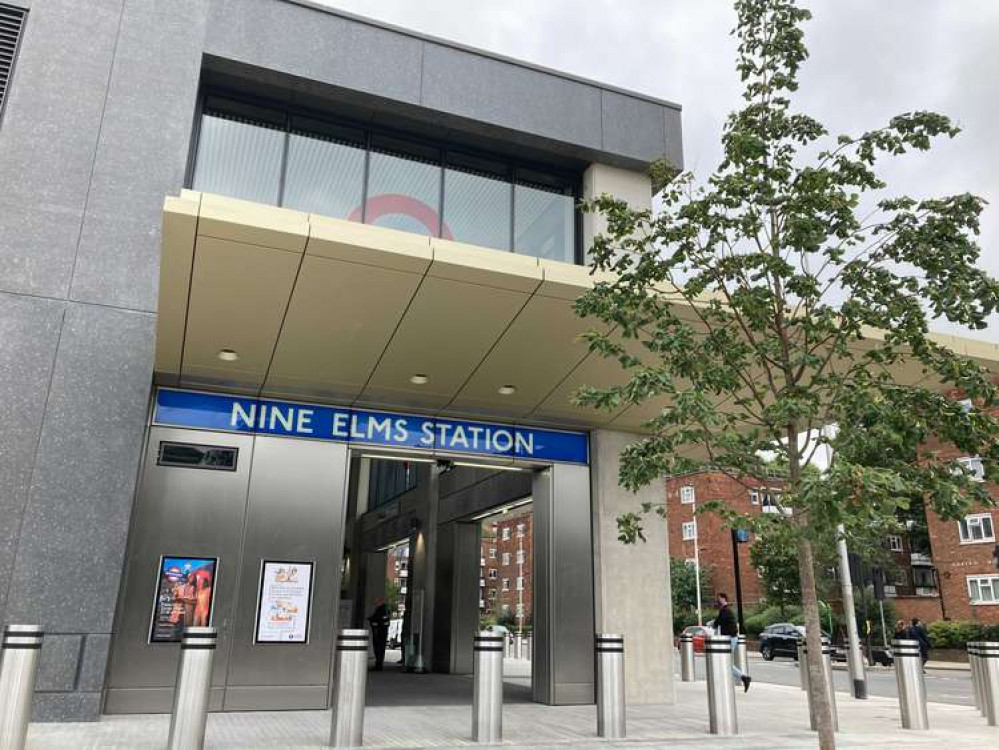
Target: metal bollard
<point>988,660</point>
<point>742,655</point>
<point>487,696</point>
<point>347,728</point>
<point>687,669</point>
<point>830,686</point>
<point>507,647</point>
<point>911,687</point>
<point>721,689</point>
<point>610,686</point>
<point>194,682</point>
<point>18,666</point>
<point>518,646</point>
<point>529,641</point>
<point>976,677</point>
<point>802,665</point>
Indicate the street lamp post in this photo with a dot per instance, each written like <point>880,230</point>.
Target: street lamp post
<point>697,563</point>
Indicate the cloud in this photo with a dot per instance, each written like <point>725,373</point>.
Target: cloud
<point>869,61</point>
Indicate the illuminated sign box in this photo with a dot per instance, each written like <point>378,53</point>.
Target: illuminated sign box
<point>210,411</point>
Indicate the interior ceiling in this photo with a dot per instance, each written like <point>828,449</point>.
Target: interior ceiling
<point>338,312</point>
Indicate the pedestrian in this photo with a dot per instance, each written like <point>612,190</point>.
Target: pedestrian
<point>901,630</point>
<point>918,633</point>
<point>725,624</point>
<point>379,623</point>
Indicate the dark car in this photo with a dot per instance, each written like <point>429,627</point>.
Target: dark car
<point>781,639</point>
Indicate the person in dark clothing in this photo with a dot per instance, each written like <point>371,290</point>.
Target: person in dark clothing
<point>379,622</point>
<point>901,630</point>
<point>917,632</point>
<point>725,624</point>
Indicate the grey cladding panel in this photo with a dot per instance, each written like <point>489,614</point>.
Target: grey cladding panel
<point>631,126</point>
<point>142,152</point>
<point>29,334</point>
<point>519,98</point>
<point>76,518</point>
<point>320,46</point>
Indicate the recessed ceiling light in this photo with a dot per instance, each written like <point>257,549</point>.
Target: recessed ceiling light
<point>228,355</point>
<point>507,390</point>
<point>418,379</point>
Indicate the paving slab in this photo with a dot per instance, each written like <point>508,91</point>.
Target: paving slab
<point>770,716</point>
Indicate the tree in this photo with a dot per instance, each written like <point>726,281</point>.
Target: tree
<point>683,585</point>
<point>790,292</point>
<point>775,558</point>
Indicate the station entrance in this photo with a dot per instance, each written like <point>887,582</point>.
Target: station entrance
<point>278,541</point>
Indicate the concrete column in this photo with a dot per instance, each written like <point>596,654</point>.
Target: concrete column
<point>456,604</point>
<point>631,582</point>
<point>422,572</point>
<point>633,187</point>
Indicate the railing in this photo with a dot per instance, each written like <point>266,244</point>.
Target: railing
<point>927,591</point>
<point>920,558</point>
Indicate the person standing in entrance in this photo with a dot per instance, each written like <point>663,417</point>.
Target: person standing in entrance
<point>725,624</point>
<point>379,622</point>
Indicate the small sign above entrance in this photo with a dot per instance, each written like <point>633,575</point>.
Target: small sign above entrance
<point>210,411</point>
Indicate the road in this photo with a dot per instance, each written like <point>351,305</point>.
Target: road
<point>942,685</point>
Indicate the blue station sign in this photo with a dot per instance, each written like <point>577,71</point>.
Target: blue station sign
<point>211,411</point>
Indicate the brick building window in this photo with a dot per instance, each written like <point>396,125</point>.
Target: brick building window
<point>521,556</point>
<point>689,530</point>
<point>506,584</point>
<point>687,495</point>
<point>506,558</point>
<point>691,561</point>
<point>754,497</point>
<point>506,532</point>
<point>894,542</point>
<point>520,530</point>
<point>492,553</point>
<point>977,528</point>
<point>974,465</point>
<point>492,595</point>
<point>492,574</point>
<point>520,583</point>
<point>983,589</point>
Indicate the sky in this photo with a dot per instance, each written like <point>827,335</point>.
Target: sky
<point>869,60</point>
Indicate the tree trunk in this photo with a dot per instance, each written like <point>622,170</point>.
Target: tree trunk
<point>818,698</point>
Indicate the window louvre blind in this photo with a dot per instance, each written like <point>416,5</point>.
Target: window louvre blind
<point>11,26</point>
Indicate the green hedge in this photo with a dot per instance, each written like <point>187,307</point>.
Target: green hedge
<point>957,633</point>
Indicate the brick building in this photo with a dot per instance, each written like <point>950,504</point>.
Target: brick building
<point>397,575</point>
<point>707,530</point>
<point>506,580</point>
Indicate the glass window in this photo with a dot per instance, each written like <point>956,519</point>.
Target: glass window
<point>506,532</point>
<point>239,157</point>
<point>521,556</point>
<point>895,543</point>
<point>973,465</point>
<point>686,495</point>
<point>689,530</point>
<point>404,189</point>
<point>506,558</point>
<point>325,173</point>
<point>477,203</point>
<point>977,528</point>
<point>506,584</point>
<point>543,222</point>
<point>983,589</point>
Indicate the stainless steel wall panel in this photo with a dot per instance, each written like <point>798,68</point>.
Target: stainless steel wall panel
<point>295,511</point>
<point>184,512</point>
<point>563,586</point>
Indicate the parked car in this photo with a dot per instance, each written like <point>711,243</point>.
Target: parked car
<point>781,639</point>
<point>698,632</point>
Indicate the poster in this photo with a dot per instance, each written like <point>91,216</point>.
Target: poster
<point>283,602</point>
<point>184,592</point>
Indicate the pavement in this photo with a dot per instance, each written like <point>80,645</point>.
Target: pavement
<point>434,711</point>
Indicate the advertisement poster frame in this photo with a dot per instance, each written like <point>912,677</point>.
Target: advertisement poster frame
<point>154,617</point>
<point>264,562</point>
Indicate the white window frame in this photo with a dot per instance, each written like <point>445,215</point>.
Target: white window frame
<point>505,559</point>
<point>687,495</point>
<point>894,543</point>
<point>506,532</point>
<point>505,584</point>
<point>974,465</point>
<point>976,520</point>
<point>980,583</point>
<point>521,556</point>
<point>520,529</point>
<point>520,583</point>
<point>688,530</point>
<point>754,497</point>
<point>492,553</point>
<point>691,561</point>
<point>492,574</point>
